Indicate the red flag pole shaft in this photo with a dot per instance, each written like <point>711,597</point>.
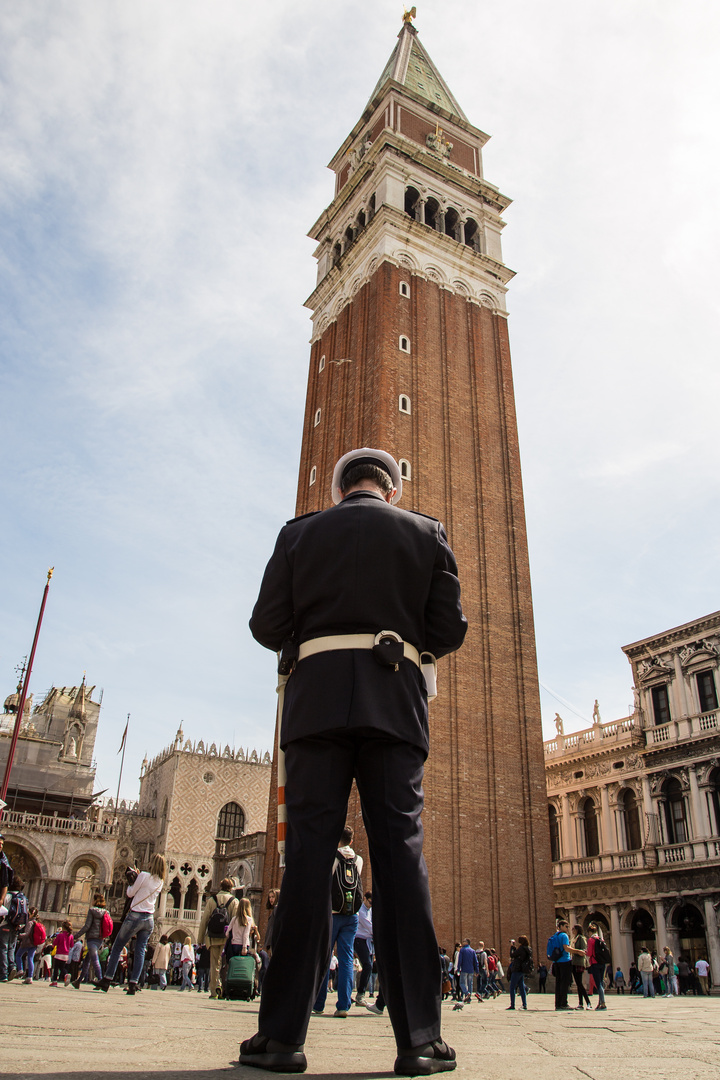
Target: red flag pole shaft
<point>23,695</point>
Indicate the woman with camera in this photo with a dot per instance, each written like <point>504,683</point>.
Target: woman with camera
<point>138,922</point>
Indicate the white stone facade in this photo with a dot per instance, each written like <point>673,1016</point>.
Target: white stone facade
<point>635,805</point>
<point>183,794</point>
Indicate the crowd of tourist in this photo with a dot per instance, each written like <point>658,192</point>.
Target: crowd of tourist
<point>99,954</point>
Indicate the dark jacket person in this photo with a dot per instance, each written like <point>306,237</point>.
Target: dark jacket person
<point>361,567</point>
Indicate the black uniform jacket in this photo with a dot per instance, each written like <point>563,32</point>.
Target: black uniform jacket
<point>360,567</point>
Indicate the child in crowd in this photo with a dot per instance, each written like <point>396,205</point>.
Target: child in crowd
<point>619,981</point>
<point>242,931</point>
<point>64,942</point>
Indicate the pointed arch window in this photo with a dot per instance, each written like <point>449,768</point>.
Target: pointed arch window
<point>405,469</point>
<point>404,344</point>
<point>318,417</point>
<point>231,822</point>
<point>313,475</point>
<point>404,404</point>
<point>321,365</point>
<point>404,289</point>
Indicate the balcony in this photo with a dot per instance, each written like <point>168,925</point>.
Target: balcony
<point>180,915</point>
<point>615,734</point>
<point>650,857</point>
<point>248,844</point>
<point>51,823</point>
<point>687,728</point>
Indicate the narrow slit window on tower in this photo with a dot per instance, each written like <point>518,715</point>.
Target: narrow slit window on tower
<point>321,365</point>
<point>404,405</point>
<point>313,475</point>
<point>404,343</point>
<point>404,288</point>
<point>318,414</point>
<point>405,470</point>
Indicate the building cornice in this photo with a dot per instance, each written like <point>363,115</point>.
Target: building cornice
<point>669,638</point>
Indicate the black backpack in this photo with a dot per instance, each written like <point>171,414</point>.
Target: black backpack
<point>347,895</point>
<point>219,920</point>
<point>602,953</point>
<point>17,911</point>
<point>528,967</point>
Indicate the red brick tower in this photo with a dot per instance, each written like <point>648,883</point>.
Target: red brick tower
<point>410,353</point>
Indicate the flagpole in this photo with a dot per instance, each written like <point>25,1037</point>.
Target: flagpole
<point>122,762</point>
<point>23,696</point>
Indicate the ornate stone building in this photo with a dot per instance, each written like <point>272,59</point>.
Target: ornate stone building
<point>50,840</point>
<point>195,800</point>
<point>410,352</point>
<point>634,804</point>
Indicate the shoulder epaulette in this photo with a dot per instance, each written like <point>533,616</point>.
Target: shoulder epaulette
<point>301,517</point>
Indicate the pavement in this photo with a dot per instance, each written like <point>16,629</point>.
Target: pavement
<point>83,1034</point>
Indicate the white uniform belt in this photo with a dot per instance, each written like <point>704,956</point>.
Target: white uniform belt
<point>352,641</point>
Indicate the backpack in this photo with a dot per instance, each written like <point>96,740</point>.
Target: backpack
<point>106,925</point>
<point>528,967</point>
<point>219,920</point>
<point>602,953</point>
<point>18,910</point>
<point>347,894</point>
<point>554,949</point>
<point>38,933</point>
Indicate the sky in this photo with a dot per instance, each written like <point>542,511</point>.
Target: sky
<point>160,166</point>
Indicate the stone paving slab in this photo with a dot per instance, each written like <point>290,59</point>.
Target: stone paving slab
<point>84,1034</point>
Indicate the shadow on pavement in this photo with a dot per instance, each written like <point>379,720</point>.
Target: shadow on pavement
<point>232,1069</point>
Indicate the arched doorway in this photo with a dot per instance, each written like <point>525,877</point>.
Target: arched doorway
<point>26,868</point>
<point>690,926</point>
<point>82,888</point>
<point>643,931</point>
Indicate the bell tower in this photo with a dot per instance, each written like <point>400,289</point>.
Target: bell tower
<point>410,353</point>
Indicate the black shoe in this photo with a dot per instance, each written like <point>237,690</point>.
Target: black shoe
<point>131,988</point>
<point>263,1053</point>
<point>104,984</point>
<point>75,983</point>
<point>423,1060</point>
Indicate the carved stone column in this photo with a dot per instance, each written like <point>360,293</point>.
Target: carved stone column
<point>609,843</point>
<point>712,933</point>
<point>698,809</point>
<point>679,690</point>
<point>621,943</point>
<point>569,848</point>
<point>661,939</point>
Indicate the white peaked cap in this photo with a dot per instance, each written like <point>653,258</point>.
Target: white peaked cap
<point>376,457</point>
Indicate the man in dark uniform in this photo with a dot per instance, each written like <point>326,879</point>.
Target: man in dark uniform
<point>356,707</point>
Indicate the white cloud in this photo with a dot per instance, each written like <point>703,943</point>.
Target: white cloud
<point>160,165</point>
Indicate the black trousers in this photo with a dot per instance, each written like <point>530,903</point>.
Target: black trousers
<point>320,771</point>
<point>363,954</point>
<point>563,981</point>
